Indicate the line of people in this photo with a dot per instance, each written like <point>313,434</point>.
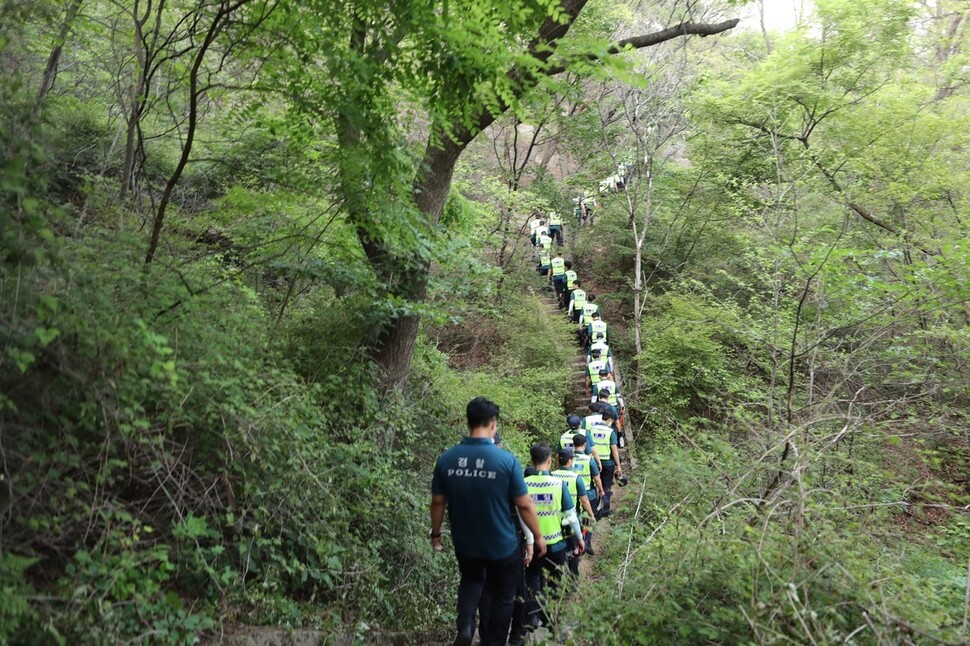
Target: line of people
<point>519,534</point>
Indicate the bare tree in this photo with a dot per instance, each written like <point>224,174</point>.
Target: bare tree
<point>643,132</point>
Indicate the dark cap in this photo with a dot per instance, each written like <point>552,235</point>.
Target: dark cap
<point>565,455</point>
<point>573,421</point>
<point>604,372</point>
<point>595,352</point>
<point>603,391</point>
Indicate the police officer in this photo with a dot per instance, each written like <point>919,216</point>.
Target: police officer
<point>557,276</point>
<point>577,300</point>
<point>571,279</point>
<point>594,371</point>
<point>544,254</point>
<point>566,439</point>
<point>605,390</point>
<point>604,441</point>
<point>534,225</point>
<point>597,330</point>
<point>577,489</point>
<point>477,481</point>
<point>554,505</point>
<point>605,352</point>
<point>555,227</point>
<point>588,469</point>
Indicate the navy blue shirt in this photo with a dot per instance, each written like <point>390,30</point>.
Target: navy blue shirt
<point>479,481</point>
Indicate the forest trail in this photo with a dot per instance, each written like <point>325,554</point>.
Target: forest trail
<point>578,404</point>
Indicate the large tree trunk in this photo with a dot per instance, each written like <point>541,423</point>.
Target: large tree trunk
<point>394,342</point>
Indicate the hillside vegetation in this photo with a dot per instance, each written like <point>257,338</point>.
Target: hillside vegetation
<point>256,256</point>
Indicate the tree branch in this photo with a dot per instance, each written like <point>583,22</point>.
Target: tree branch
<point>701,29</point>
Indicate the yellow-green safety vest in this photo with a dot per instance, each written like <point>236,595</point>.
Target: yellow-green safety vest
<point>566,439</point>
<point>593,370</point>
<point>546,492</point>
<point>583,470</point>
<point>571,278</point>
<point>545,257</point>
<point>558,266</point>
<point>611,385</point>
<point>579,299</point>
<point>569,477</point>
<point>555,220</point>
<point>597,330</point>
<point>599,435</point>
<point>589,309</point>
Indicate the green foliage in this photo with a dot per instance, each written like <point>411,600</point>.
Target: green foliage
<point>692,353</point>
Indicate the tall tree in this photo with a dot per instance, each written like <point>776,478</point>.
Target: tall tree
<point>461,66</point>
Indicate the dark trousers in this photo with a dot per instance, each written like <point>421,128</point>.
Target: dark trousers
<point>606,475</point>
<point>555,232</point>
<point>559,283</point>
<point>542,579</point>
<point>572,559</point>
<point>500,579</point>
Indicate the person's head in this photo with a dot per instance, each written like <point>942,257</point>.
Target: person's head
<point>591,297</point>
<point>604,373</point>
<point>595,352</point>
<point>541,456</point>
<point>482,416</point>
<point>596,408</point>
<point>569,264</point>
<point>608,415</point>
<point>577,282</point>
<point>565,458</point>
<point>596,315</point>
<point>579,442</point>
<point>573,421</point>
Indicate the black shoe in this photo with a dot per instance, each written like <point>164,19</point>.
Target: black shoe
<point>605,514</point>
<point>590,551</point>
<point>465,637</point>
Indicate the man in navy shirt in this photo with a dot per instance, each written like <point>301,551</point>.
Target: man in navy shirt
<point>477,481</point>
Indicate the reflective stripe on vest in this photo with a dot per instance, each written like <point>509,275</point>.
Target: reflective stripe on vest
<point>566,439</point>
<point>558,266</point>
<point>591,420</point>
<point>583,470</point>
<point>571,277</point>
<point>569,477</point>
<point>546,492</point>
<point>600,436</point>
